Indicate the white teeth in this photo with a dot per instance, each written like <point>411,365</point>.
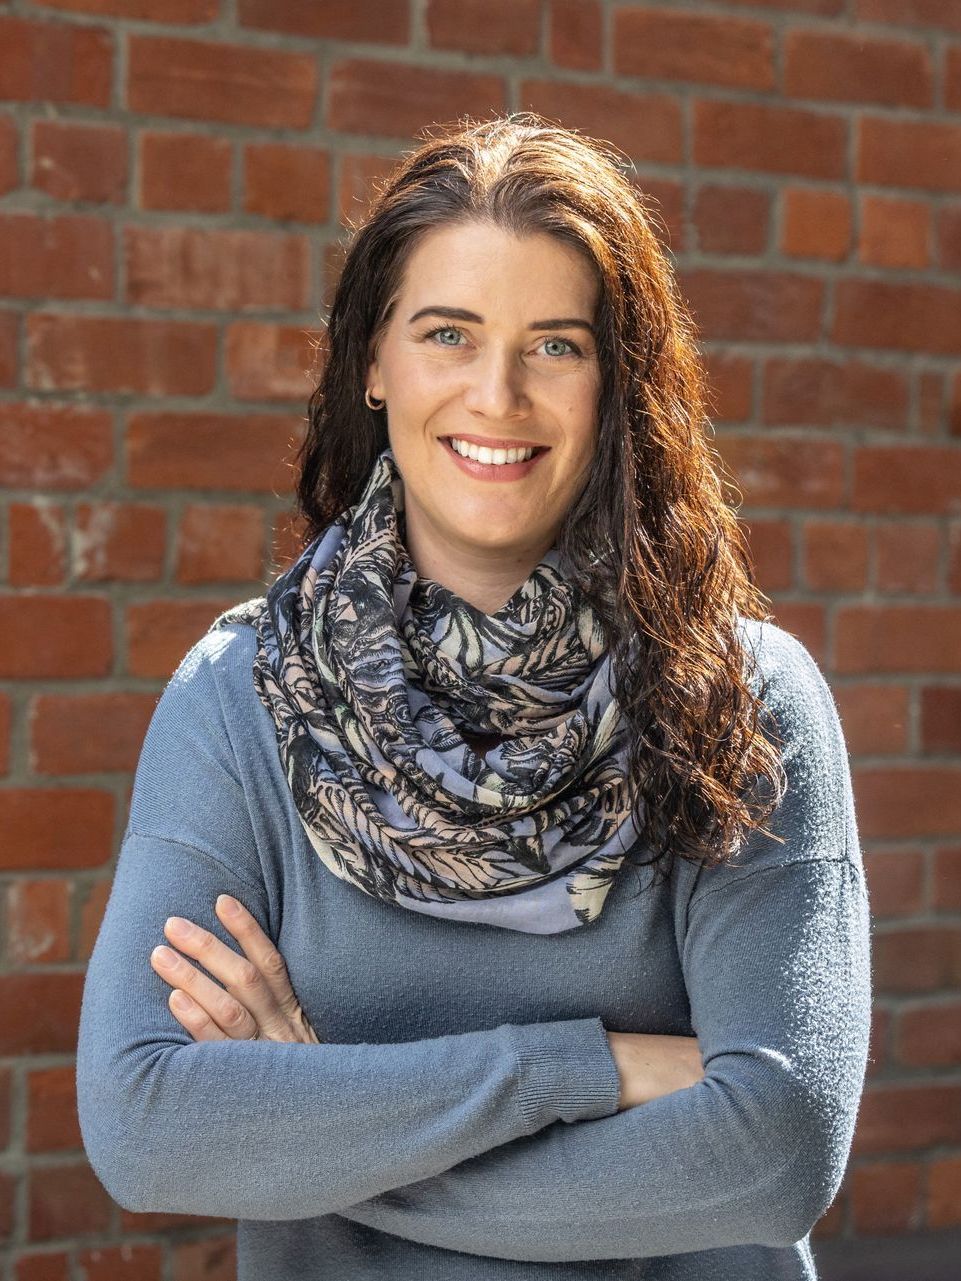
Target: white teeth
<point>497,457</point>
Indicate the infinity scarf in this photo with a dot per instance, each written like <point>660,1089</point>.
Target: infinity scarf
<point>372,675</point>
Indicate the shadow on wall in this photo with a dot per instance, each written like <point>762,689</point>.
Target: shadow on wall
<point>933,1256</point>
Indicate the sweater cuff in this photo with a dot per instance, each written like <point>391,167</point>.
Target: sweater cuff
<point>567,1072</point>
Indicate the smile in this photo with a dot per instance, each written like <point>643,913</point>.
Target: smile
<point>486,462</point>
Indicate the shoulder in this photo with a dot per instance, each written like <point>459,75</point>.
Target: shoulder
<point>216,674</point>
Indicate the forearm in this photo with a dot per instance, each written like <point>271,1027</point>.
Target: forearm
<point>265,1130</point>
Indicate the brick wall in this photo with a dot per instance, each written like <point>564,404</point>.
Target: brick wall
<point>174,177</point>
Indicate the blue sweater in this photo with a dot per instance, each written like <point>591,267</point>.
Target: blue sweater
<point>460,1120</point>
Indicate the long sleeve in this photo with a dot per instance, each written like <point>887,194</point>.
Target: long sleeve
<point>263,1130</point>
<point>776,959</point>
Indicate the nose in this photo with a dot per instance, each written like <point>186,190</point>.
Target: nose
<point>496,386</point>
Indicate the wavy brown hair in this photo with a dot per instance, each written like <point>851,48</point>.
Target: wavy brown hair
<point>651,540</point>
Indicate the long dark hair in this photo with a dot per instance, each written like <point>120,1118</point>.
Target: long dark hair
<point>652,540</point>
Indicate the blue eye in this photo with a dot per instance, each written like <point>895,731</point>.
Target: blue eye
<point>432,336</point>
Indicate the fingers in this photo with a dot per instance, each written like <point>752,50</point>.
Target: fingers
<point>260,951</point>
<point>194,1018</point>
<point>209,1001</point>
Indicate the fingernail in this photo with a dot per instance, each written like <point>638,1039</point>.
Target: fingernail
<point>229,906</point>
<point>181,926</point>
<point>181,1001</point>
<point>164,955</point>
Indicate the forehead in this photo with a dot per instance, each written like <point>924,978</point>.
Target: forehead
<point>480,258</point>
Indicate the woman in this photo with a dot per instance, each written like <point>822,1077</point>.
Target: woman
<point>520,657</point>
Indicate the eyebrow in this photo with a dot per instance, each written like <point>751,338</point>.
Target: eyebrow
<point>458,313</point>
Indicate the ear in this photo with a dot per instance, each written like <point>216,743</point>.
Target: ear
<point>374,385</point>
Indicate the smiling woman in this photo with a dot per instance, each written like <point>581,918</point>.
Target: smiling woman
<point>520,656</point>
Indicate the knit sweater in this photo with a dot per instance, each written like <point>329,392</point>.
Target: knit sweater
<point>459,1119</point>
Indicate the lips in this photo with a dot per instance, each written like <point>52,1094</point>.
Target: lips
<point>489,443</point>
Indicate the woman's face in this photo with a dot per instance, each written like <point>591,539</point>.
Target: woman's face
<point>490,346</point>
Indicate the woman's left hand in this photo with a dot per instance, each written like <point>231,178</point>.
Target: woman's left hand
<point>258,1003</point>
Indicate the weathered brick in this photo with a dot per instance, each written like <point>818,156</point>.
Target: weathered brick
<point>857,68</point>
<point>57,828</point>
<point>220,544</point>
<point>929,1036</point>
<point>760,306</point>
<point>835,556</point>
<point>184,171</point>
<point>899,638</point>
<point>693,47</point>
<point>901,1118</point>
<point>212,451</point>
<point>54,62</point>
<point>160,632</point>
<point>906,557</point>
<point>70,256</point>
<point>812,391</point>
<point>817,224</point>
<point>945,14</point>
<point>237,84</point>
<point>770,138</point>
<point>894,233</point>
<point>576,34</point>
<point>88,733</point>
<point>195,267</point>
<point>6,723</point>
<point>53,1000</point>
<point>120,354</point>
<point>367,96</point>
<point>944,1192</point>
<point>287,183</point>
<point>182,12</point>
<point>909,153</point>
<point>874,716</point>
<point>732,220</point>
<point>37,533</point>
<point>941,719</point>
<point>55,636</point>
<point>929,797</point>
<point>383,21</point>
<point>493,27</point>
<point>899,315</point>
<point>67,1201</point>
<point>9,161</point>
<point>922,480</point>
<point>784,471</point>
<point>52,1122</point>
<point>38,921</point>
<point>647,126</point>
<point>895,881</point>
<point>118,542</point>
<point>271,362</point>
<point>80,162</point>
<point>125,1262</point>
<point>886,1196</point>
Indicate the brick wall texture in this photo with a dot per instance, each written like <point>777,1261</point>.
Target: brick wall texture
<point>175,179</point>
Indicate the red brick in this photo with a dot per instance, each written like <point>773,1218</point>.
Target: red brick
<point>901,1118</point>
<point>55,636</point>
<point>52,1002</point>
<point>946,880</point>
<point>384,21</point>
<point>894,233</point>
<point>9,161</point>
<point>807,620</point>
<point>54,62</point>
<point>954,555</point>
<point>770,543</point>
<point>42,1265</point>
<point>730,386</point>
<point>184,171</point>
<point>37,544</point>
<point>909,153</point>
<point>693,47</point>
<point>835,556</point>
<point>179,11</point>
<point>6,720</point>
<point>824,8</point>
<point>53,446</point>
<point>8,1191</point>
<point>120,354</point>
<point>940,719</point>
<point>360,177</point>
<point>831,1223</point>
<point>38,921</point>
<point>886,1197</point>
<point>664,202</point>
<point>119,542</point>
<point>67,1201</point>
<point>945,14</point>
<point>209,1259</point>
<point>909,802</point>
<point>238,84</point>
<point>80,162</point>
<point>784,471</point>
<point>576,34</point>
<point>9,331</point>
<point>271,362</point>
<point>906,317</point>
<point>212,451</point>
<point>88,733</point>
<point>929,1035</point>
<point>5,1101</point>
<point>921,480</point>
<point>761,306</point>
<point>875,717</point>
<point>917,959</point>
<point>55,828</point>
<point>493,27</point>
<point>895,881</point>
<point>287,183</point>
<point>931,415</point>
<point>52,1124</point>
<point>907,557</point>
<point>732,220</point>
<point>648,126</point>
<point>159,632</point>
<point>815,392</point>
<point>395,99</point>
<point>287,541</point>
<point>194,267</point>
<point>91,916</point>
<point>944,1192</point>
<point>857,68</point>
<point>220,544</point>
<point>906,638</point>
<point>878,1042</point>
<point>952,74</point>
<point>817,224</point>
<point>122,1263</point>
<point>70,256</point>
<point>776,139</point>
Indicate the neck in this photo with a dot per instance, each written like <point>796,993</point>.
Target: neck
<point>485,577</point>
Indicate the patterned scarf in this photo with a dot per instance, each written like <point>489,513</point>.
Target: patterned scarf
<point>372,676</point>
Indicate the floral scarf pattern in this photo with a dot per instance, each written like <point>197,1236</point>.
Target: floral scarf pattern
<point>372,676</point>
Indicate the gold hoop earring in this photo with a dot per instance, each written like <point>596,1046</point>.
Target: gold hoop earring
<point>370,401</point>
